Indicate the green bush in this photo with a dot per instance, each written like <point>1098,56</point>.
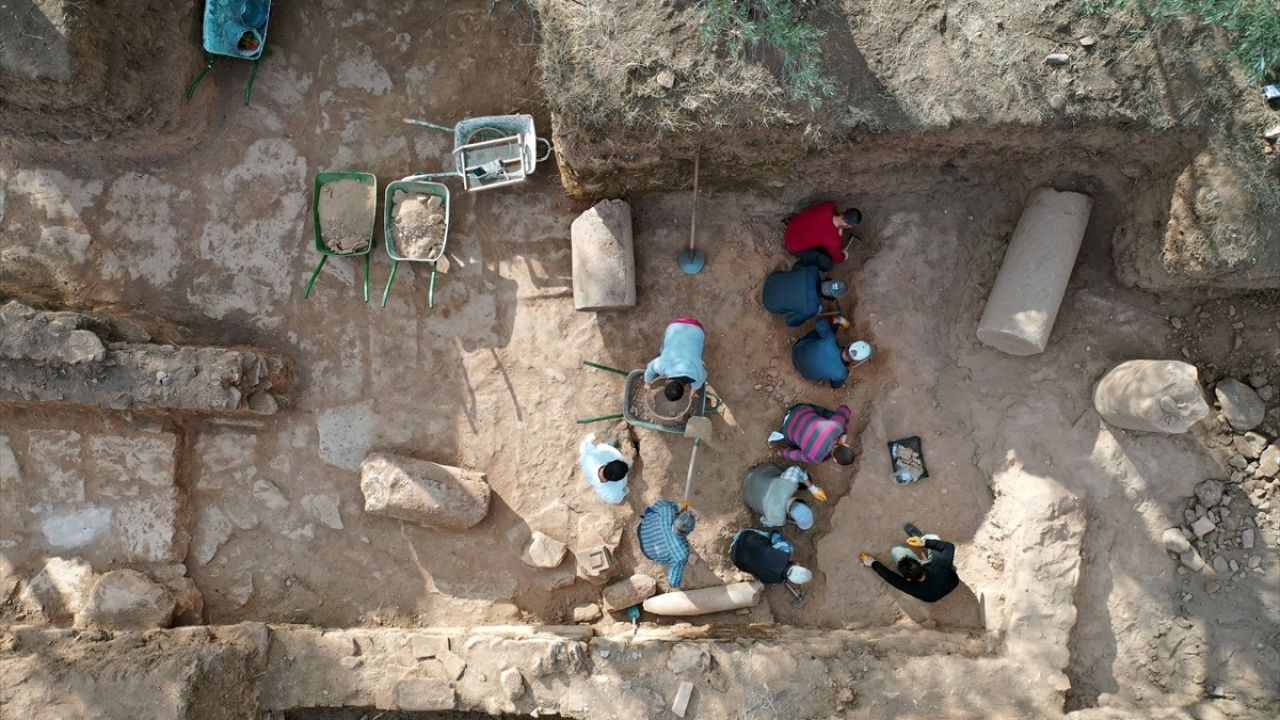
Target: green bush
<point>748,25</point>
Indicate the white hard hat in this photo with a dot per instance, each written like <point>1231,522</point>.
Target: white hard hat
<point>799,574</point>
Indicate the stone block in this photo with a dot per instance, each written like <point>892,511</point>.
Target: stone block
<point>604,266</point>
<point>1242,407</point>
<point>127,600</point>
<point>594,564</point>
<point>543,551</point>
<point>632,591</point>
<point>423,492</point>
<point>424,695</point>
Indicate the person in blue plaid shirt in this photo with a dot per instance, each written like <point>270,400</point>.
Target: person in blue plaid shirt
<point>664,531</point>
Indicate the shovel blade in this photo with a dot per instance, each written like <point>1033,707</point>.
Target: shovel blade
<point>691,261</point>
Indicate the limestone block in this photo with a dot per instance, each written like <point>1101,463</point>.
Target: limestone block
<point>543,551</point>
<point>604,265</point>
<point>632,591</point>
<point>425,695</point>
<point>127,600</point>
<point>1024,301</point>
<point>595,564</point>
<point>58,592</point>
<point>1151,396</point>
<point>423,492</point>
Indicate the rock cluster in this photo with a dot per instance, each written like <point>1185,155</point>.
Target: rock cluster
<point>1226,522</point>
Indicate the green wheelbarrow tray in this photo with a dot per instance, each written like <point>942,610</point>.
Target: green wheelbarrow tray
<point>325,251</point>
<point>635,379</point>
<point>414,186</point>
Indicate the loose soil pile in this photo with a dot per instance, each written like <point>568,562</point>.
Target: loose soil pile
<point>418,225</point>
<point>347,209</point>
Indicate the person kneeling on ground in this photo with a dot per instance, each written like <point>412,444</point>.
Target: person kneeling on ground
<point>818,355</point>
<point>797,294</point>
<point>929,580</point>
<point>770,490</point>
<point>815,434</point>
<point>767,556</point>
<point>664,531</point>
<point>680,361</point>
<point>606,469</point>
<point>814,235</point>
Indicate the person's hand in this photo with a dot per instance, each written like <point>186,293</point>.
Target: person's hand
<point>915,542</point>
<point>841,322</point>
<point>866,559</point>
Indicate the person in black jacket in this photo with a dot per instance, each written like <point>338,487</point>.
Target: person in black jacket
<point>930,579</point>
<point>767,555</point>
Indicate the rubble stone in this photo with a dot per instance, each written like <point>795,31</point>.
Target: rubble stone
<point>1202,527</point>
<point>1209,493</point>
<point>1242,407</point>
<point>1246,539</point>
<point>1269,462</point>
<point>594,564</point>
<point>632,591</point>
<point>585,613</point>
<point>1192,560</point>
<point>127,600</point>
<point>423,492</point>
<point>688,658</point>
<point>1250,445</point>
<point>1151,396</point>
<point>543,551</point>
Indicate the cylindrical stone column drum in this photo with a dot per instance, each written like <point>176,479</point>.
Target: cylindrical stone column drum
<point>1024,302</point>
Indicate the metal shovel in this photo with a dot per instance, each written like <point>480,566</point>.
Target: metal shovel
<point>692,260</point>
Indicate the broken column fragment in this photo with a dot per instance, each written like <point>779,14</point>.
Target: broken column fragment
<point>1151,396</point>
<point>1024,301</point>
<point>74,358</point>
<point>423,492</point>
<point>604,264</point>
<point>632,591</point>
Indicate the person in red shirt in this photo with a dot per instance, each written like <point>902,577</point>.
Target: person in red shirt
<point>814,235</point>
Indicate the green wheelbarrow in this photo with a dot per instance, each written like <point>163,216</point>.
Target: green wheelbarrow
<point>418,247</point>
<point>325,193</point>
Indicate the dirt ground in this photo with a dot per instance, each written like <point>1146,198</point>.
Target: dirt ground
<point>214,246</point>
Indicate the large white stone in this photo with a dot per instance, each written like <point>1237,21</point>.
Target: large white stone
<point>1151,396</point>
<point>59,591</point>
<point>604,265</point>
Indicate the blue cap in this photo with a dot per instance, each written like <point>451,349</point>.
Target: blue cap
<point>801,514</point>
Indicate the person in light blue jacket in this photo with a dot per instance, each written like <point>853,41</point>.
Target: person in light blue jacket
<point>680,361</point>
<point>605,468</point>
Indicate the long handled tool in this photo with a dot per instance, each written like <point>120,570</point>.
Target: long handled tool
<point>692,260</point>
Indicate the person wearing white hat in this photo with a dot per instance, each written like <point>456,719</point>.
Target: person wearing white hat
<point>770,490</point>
<point>818,355</point>
<point>767,556</point>
<point>799,293</point>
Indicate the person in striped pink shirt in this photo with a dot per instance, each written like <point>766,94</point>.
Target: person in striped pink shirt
<point>814,434</point>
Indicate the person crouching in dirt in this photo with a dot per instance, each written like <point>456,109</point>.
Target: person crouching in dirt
<point>663,532</point>
<point>815,434</point>
<point>680,361</point>
<point>770,491</point>
<point>815,235</point>
<point>798,294</point>
<point>818,355</point>
<point>605,467</point>
<point>767,557</point>
<point>929,580</point>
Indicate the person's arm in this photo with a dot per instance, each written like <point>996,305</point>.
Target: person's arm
<point>841,415</point>
<point>675,574</point>
<point>796,319</point>
<point>793,454</point>
<point>894,579</point>
<point>947,549</point>
<point>651,371</point>
<point>824,329</point>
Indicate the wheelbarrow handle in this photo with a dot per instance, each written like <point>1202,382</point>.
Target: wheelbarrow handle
<point>315,274</point>
<point>431,289</point>
<point>395,265</point>
<point>366,277</point>
<point>543,142</point>
<point>426,124</point>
